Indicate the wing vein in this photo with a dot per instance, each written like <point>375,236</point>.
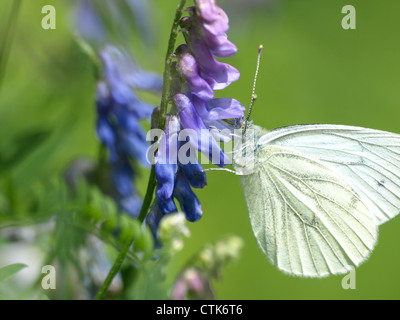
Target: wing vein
<point>312,190</point>
<point>287,234</point>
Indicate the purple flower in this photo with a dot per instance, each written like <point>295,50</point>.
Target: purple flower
<point>118,124</point>
<point>196,75</point>
<point>102,22</point>
<point>120,68</point>
<point>190,119</point>
<point>218,109</point>
<point>195,175</point>
<point>206,36</point>
<point>166,159</point>
<point>210,23</point>
<point>209,12</point>
<point>174,179</point>
<point>219,75</point>
<point>187,199</point>
<point>189,70</point>
<point>200,73</point>
<point>88,22</point>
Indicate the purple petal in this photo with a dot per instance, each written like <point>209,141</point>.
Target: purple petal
<point>145,81</point>
<point>167,206</point>
<point>122,94</point>
<point>188,115</point>
<point>106,134</point>
<point>125,99</point>
<point>168,144</point>
<point>218,109</point>
<point>122,175</point>
<point>126,120</point>
<point>165,175</point>
<point>189,70</point>
<point>204,141</point>
<point>89,22</point>
<point>166,159</point>
<point>116,68</point>
<point>210,147</point>
<point>210,13</point>
<point>225,108</point>
<point>103,99</point>
<point>195,174</point>
<point>201,108</point>
<point>188,201</point>
<point>131,205</point>
<point>140,109</point>
<point>119,68</point>
<point>111,72</point>
<point>218,44</point>
<point>218,75</point>
<point>215,39</point>
<point>133,144</point>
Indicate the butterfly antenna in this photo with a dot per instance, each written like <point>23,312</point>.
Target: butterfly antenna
<point>253,95</point>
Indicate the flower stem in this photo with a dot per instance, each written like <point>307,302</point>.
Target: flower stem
<point>168,60</point>
<point>114,270</point>
<point>152,179</point>
<point>149,194</point>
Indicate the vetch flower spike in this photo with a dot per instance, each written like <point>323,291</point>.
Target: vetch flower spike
<point>118,124</point>
<point>203,120</point>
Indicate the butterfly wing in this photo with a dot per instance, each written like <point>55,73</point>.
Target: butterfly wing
<point>306,219</point>
<point>368,160</point>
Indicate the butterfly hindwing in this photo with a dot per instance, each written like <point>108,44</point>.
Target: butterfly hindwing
<point>307,220</point>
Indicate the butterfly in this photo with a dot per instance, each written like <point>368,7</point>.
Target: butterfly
<point>316,194</point>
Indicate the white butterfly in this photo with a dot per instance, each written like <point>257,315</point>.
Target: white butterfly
<point>318,193</point>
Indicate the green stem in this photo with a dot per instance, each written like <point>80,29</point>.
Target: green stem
<point>149,194</point>
<point>114,270</point>
<point>152,179</point>
<point>7,38</point>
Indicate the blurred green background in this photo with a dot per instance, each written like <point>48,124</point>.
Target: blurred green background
<point>312,71</point>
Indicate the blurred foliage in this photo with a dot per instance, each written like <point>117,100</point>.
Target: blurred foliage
<point>312,71</point>
<point>10,270</point>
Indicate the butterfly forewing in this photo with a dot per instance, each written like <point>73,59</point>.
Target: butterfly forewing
<point>306,218</point>
<point>368,160</point>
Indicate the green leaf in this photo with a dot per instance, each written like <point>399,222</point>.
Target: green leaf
<point>10,270</point>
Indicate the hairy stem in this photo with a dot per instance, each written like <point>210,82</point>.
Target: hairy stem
<point>168,60</point>
<point>152,179</point>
